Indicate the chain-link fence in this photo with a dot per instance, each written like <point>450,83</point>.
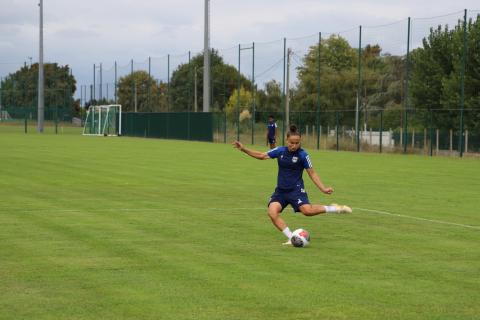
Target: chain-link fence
<point>410,86</point>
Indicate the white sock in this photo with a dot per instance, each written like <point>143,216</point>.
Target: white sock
<point>330,209</point>
<point>287,232</point>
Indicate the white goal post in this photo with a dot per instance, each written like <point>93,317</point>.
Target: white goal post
<point>103,120</point>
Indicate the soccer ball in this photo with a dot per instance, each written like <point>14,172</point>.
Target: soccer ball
<point>300,238</point>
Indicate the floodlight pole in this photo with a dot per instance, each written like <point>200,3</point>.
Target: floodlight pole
<point>101,84</point>
<point>287,94</point>
<point>206,59</point>
<point>41,81</point>
<point>359,90</point>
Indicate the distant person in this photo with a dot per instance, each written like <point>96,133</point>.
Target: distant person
<point>271,132</point>
<point>290,190</point>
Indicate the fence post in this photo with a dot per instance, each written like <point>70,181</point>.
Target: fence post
<point>405,118</point>
<point>413,138</point>
<point>466,141</point>
<point>336,127</point>
<point>451,141</point>
<point>225,127</point>
<point>381,130</point>
<point>318,90</point>
<point>438,141</point>
<point>462,82</point>
<point>431,134</point>
<point>401,136</point>
<point>56,119</point>
<point>424,139</point>
<point>319,133</point>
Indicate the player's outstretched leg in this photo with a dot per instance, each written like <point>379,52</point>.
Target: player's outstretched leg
<point>314,209</point>
<point>340,208</point>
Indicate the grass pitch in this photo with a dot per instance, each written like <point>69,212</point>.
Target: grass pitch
<point>125,228</point>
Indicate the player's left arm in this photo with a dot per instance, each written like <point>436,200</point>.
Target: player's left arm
<point>318,182</point>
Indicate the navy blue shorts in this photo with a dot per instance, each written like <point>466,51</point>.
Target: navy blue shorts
<point>296,198</point>
<point>271,140</point>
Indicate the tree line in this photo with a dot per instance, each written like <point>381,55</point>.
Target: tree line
<point>434,90</point>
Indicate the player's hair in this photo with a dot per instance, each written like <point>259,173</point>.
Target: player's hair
<point>270,116</point>
<point>293,131</point>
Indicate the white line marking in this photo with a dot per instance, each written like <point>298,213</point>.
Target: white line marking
<point>241,209</point>
<point>418,218</point>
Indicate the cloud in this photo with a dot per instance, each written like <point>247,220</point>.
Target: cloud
<point>81,33</point>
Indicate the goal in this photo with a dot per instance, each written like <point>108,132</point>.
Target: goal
<point>103,121</point>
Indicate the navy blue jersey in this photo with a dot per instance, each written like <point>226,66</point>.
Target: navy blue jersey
<point>290,167</point>
<point>271,127</point>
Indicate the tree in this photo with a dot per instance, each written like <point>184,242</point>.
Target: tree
<point>244,109</point>
<point>20,89</point>
<point>224,81</point>
<point>338,79</point>
<point>141,90</point>
<point>436,72</point>
<point>269,100</point>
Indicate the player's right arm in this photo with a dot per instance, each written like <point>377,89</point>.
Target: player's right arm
<point>252,153</point>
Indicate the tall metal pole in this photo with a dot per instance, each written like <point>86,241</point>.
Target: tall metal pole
<point>206,59</point>
<point>41,80</point>
<point>100,88</point>
<point>1,79</point>
<point>287,95</point>
<point>359,89</point>
<point>134,86</point>
<point>462,83</point>
<point>94,68</point>
<point>238,95</point>
<point>318,90</point>
<point>189,81</point>
<point>195,103</point>
<point>149,83</point>
<point>407,77</point>
<point>168,83</point>
<point>283,86</point>
<point>115,82</point>
<point>254,93</point>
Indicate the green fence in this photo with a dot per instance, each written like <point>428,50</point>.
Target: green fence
<point>173,125</point>
<point>416,78</point>
<point>388,131</point>
<point>25,119</point>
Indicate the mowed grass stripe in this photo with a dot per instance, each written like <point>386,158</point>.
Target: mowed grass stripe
<point>186,251</point>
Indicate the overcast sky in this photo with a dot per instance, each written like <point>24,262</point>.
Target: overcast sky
<point>81,33</point>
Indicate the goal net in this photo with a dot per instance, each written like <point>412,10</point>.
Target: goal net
<point>103,121</point>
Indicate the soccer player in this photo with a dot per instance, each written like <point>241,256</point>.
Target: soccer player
<point>292,160</point>
<point>271,132</point>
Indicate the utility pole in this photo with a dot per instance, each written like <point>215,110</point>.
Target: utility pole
<point>287,101</point>
<point>135,96</point>
<point>195,91</point>
<point>206,59</point>
<point>41,80</point>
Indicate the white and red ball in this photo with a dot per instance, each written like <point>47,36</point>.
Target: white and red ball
<point>300,238</point>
